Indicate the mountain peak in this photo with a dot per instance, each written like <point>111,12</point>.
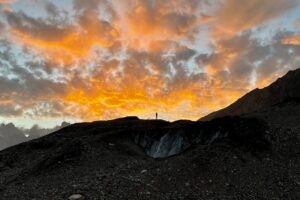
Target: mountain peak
<point>258,100</point>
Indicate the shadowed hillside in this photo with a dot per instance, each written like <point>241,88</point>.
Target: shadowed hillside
<point>227,158</point>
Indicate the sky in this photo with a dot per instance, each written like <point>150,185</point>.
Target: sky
<point>75,60</point>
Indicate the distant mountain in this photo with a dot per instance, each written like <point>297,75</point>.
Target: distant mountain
<point>284,91</point>
<point>11,135</point>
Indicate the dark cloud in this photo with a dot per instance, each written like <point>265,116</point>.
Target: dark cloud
<point>29,86</point>
<point>10,110</point>
<point>2,28</point>
<point>21,87</point>
<point>243,55</point>
<point>52,9</point>
<point>87,5</point>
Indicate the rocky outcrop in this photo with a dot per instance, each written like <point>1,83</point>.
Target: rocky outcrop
<point>165,145</point>
<point>76,197</point>
<point>166,142</point>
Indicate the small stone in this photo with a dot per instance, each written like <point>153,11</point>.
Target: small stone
<point>144,171</point>
<point>111,144</point>
<point>76,197</point>
<point>187,184</point>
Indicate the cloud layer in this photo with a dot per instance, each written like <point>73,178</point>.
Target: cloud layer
<point>103,59</point>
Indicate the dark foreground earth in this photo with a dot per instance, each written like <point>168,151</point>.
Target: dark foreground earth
<point>227,158</point>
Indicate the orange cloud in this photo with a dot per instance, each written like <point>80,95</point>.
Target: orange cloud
<point>7,1</point>
<point>182,103</point>
<point>137,27</point>
<point>142,22</point>
<point>291,40</point>
<point>72,46</point>
<point>154,21</point>
<point>66,43</point>
<point>133,90</point>
<point>234,16</point>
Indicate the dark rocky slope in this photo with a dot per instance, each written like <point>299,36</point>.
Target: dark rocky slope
<point>173,139</point>
<point>229,158</point>
<point>281,92</point>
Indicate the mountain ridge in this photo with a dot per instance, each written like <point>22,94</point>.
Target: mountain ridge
<point>259,100</point>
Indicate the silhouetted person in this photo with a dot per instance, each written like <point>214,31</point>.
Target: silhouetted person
<point>156,116</point>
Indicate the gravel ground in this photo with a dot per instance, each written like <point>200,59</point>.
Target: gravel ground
<point>99,162</point>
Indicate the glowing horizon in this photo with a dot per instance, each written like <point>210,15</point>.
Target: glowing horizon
<point>74,60</point>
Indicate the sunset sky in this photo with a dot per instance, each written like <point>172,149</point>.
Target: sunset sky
<point>86,60</point>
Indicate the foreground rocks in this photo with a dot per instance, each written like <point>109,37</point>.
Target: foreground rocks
<point>103,160</point>
<point>76,197</point>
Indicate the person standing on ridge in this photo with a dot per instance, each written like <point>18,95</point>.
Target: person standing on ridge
<point>156,116</point>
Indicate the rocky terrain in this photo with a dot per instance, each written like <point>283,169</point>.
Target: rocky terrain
<point>255,155</point>
<point>234,158</point>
